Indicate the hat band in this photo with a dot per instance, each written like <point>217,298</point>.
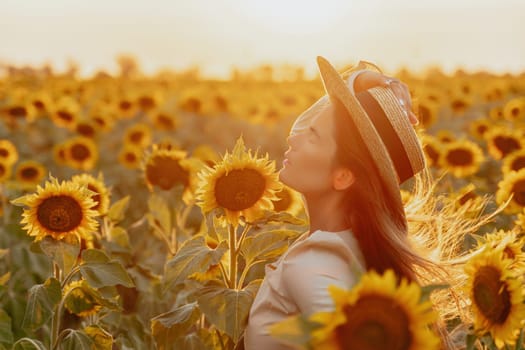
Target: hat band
<point>390,138</point>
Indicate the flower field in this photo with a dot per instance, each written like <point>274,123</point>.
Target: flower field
<point>138,212</point>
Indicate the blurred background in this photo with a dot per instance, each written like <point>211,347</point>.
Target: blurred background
<point>218,35</point>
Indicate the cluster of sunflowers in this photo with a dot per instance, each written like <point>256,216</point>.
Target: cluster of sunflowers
<point>144,253</point>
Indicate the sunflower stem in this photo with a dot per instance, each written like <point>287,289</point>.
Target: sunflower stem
<point>233,257</point>
<point>245,271</point>
<point>244,232</point>
<point>224,274</point>
<point>55,321</point>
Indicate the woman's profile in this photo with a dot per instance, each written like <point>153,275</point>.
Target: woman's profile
<point>348,155</point>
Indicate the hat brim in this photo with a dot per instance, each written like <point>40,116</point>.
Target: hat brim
<point>336,87</point>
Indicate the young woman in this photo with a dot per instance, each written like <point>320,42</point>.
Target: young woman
<point>348,153</point>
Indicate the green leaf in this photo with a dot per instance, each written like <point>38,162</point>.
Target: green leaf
<point>193,256</point>
<point>294,330</point>
<point>266,245</point>
<point>226,308</point>
<point>75,340</point>
<point>6,333</point>
<point>159,216</point>
<point>63,252</point>
<point>28,344</point>
<point>100,271</point>
<point>117,209</point>
<point>471,340</point>
<point>120,236</point>
<point>279,217</point>
<point>519,342</point>
<point>101,339</point>
<point>166,328</point>
<point>41,303</point>
<point>202,339</point>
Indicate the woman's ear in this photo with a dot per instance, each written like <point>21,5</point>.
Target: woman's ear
<point>343,178</point>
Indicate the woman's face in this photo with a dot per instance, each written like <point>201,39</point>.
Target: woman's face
<point>309,162</point>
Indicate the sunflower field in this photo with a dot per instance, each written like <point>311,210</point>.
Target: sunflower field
<point>139,212</point>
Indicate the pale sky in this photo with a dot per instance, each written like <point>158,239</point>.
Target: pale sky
<point>217,34</point>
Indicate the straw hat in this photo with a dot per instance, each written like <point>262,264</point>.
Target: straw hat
<point>383,125</point>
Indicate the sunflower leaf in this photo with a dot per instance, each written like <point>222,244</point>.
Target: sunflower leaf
<point>227,308</point>
<point>266,245</point>
<point>193,256</point>
<point>63,252</point>
<point>6,333</point>
<point>28,344</point>
<point>294,330</point>
<point>41,303</point>
<point>117,210</point>
<point>75,340</point>
<point>100,271</point>
<point>280,217</point>
<point>170,326</point>
<point>471,340</point>
<point>101,339</point>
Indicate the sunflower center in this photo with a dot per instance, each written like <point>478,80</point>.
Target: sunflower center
<point>482,129</point>
<point>136,136</point>
<point>59,213</point>
<point>374,322</point>
<point>2,170</point>
<point>18,111</point>
<point>85,130</point>
<point>491,295</point>
<point>432,153</point>
<point>460,157</point>
<point>519,192</point>
<point>64,115</point>
<point>29,173</point>
<point>283,202</point>
<point>506,144</point>
<point>518,163</point>
<point>4,153</point>
<point>131,157</point>
<point>239,189</point>
<point>80,152</point>
<point>166,172</point>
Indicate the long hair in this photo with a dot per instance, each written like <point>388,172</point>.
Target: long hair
<point>421,240</point>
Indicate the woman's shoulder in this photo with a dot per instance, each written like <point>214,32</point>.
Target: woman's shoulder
<point>319,244</point>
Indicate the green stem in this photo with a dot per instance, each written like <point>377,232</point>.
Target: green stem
<point>71,273</point>
<point>245,271</point>
<point>233,257</point>
<point>224,274</point>
<point>244,232</point>
<point>55,321</point>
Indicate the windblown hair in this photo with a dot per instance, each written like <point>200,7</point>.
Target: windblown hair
<point>422,240</point>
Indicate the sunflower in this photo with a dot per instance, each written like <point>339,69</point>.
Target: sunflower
<point>65,112</point>
<point>432,148</point>
<point>514,161</point>
<point>513,183</point>
<point>496,295</point>
<point>29,173</point>
<point>460,102</point>
<point>138,135</point>
<point>445,136</point>
<point>58,210</point>
<point>8,152</point>
<point>103,116</point>
<point>240,184</point>
<point>167,167</point>
<point>289,201</point>
<point>501,141</point>
<point>496,113</point>
<point>514,109</point>
<point>5,171</point>
<point>520,220</point>
<point>163,119</point>
<point>59,154</point>
<point>479,127</point>
<point>80,299</point>
<point>510,243</point>
<point>81,153</point>
<point>96,185</point>
<point>461,157</point>
<point>206,154</point>
<point>130,156</point>
<point>378,313</point>
<point>86,128</point>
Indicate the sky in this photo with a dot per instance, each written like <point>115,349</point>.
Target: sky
<point>219,34</point>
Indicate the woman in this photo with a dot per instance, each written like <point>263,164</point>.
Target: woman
<point>348,153</point>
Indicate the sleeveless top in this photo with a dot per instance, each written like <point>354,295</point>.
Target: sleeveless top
<point>298,283</point>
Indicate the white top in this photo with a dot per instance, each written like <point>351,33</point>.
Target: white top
<point>298,283</point>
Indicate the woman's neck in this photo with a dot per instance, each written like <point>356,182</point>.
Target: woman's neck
<point>326,212</point>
